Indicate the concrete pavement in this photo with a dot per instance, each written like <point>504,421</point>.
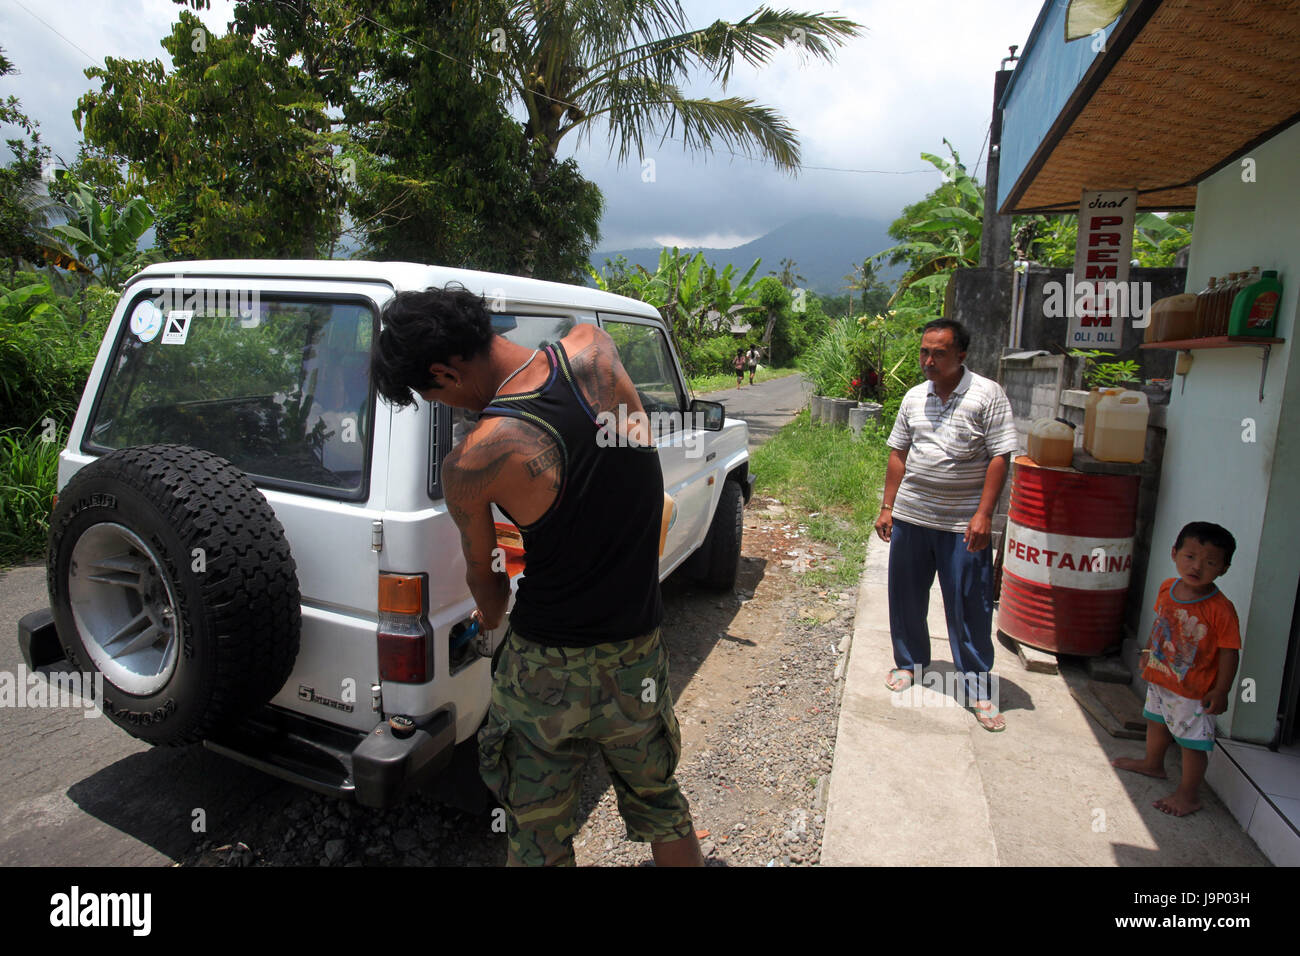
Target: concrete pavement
<point>917,782</point>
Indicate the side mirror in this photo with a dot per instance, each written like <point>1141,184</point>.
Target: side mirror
<point>708,415</point>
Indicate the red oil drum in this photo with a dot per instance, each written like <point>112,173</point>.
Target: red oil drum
<point>1069,554</point>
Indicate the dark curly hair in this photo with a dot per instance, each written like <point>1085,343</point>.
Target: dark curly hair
<point>421,328</point>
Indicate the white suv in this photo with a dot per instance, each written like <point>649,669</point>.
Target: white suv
<point>253,549</point>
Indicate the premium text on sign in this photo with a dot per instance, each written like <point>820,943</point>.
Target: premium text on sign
<point>1097,310</point>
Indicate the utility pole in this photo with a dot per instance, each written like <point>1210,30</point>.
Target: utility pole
<point>995,248</point>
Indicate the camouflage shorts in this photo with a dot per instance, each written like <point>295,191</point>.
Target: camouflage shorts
<point>550,706</point>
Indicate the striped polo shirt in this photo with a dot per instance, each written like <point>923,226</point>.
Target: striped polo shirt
<point>949,446</point>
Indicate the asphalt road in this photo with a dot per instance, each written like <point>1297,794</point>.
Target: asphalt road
<point>765,407</point>
<point>75,790</point>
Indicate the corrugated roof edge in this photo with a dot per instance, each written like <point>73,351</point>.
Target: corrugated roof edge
<point>405,276</point>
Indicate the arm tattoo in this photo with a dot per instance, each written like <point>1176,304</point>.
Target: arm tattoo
<point>474,467</point>
<point>593,366</point>
<point>549,459</point>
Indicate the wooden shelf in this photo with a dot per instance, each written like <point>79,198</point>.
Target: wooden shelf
<point>1213,342</point>
<point>1223,342</point>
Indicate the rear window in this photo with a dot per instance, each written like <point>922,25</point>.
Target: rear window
<point>280,386</point>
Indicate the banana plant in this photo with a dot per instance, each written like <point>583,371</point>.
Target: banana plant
<point>948,237</point>
<point>103,236</point>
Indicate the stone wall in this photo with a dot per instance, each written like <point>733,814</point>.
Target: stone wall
<point>981,300</point>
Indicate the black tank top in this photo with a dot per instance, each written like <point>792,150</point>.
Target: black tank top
<point>592,560</point>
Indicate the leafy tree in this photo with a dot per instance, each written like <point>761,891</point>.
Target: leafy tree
<point>449,175</point>
<point>232,143</point>
<point>26,209</point>
<point>106,237</point>
<point>942,232</point>
<point>437,168</point>
<point>694,297</point>
<point>1051,240</point>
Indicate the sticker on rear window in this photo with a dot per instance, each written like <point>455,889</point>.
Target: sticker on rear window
<point>146,321</point>
<point>178,327</point>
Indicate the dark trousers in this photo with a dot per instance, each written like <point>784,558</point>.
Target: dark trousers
<point>966,580</point>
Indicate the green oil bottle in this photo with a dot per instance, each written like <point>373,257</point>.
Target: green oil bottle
<point>1254,310</point>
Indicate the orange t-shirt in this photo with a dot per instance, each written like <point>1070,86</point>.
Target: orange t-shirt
<point>1186,639</point>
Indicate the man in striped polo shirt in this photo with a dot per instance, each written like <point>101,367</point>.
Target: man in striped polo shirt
<point>950,451</point>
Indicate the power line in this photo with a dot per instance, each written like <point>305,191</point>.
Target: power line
<point>988,129</point>
<point>59,35</point>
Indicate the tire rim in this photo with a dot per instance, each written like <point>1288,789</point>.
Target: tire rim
<point>124,608</point>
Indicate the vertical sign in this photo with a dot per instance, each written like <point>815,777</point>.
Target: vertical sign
<point>1098,300</point>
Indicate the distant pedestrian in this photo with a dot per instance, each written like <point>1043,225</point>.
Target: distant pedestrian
<point>950,451</point>
<point>751,361</point>
<point>738,363</point>
<point>1189,663</point>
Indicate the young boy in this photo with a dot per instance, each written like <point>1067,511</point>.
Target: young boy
<point>1190,662</point>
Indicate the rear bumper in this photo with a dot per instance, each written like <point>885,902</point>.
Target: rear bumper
<point>38,640</point>
<point>375,769</point>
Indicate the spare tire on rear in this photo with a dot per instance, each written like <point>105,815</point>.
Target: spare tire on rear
<point>170,575</point>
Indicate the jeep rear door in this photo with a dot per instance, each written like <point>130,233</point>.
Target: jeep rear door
<point>273,375</point>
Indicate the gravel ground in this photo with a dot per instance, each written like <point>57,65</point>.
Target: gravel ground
<point>756,676</point>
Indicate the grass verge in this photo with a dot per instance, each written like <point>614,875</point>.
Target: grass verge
<point>715,383</point>
<point>29,468</point>
<point>832,482</point>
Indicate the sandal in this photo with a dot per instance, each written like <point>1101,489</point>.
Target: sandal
<point>900,679</point>
<point>990,718</point>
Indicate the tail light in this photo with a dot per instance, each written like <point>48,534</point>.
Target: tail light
<point>404,633</point>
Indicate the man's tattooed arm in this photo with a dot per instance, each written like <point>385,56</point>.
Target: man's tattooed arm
<point>596,367</point>
<point>471,477</point>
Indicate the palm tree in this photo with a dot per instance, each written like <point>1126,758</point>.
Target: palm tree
<point>788,276</point>
<point>570,63</point>
<point>863,279</point>
<point>943,231</point>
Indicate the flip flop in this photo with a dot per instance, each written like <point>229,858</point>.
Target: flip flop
<point>898,684</point>
<point>989,717</point>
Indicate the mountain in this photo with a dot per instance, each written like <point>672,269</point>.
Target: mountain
<point>823,248</point>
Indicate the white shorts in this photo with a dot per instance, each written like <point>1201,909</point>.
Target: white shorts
<point>1189,723</point>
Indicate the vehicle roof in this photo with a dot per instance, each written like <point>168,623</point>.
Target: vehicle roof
<point>407,276</point>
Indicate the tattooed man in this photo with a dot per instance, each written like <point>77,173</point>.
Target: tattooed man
<point>582,665</point>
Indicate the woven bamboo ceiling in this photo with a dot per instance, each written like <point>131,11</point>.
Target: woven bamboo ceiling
<point>1186,86</point>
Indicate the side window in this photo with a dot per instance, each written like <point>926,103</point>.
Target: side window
<point>644,352</point>
<point>449,425</point>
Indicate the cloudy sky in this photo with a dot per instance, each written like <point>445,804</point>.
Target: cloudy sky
<point>922,70</point>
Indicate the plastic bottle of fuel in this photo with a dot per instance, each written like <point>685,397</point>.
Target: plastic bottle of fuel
<point>1254,311</point>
